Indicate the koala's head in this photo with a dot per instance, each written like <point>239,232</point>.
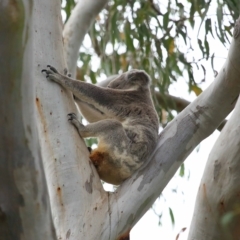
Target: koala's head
<point>131,80</point>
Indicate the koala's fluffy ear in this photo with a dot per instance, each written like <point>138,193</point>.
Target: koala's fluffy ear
<point>139,77</point>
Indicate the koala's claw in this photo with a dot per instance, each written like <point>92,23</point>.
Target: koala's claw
<point>71,116</point>
<point>52,68</point>
<point>65,71</point>
<point>49,71</point>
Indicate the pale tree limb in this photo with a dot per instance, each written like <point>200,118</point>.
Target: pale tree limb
<point>218,196</point>
<point>196,122</point>
<point>76,27</point>
<point>168,101</point>
<point>72,185</point>
<point>25,211</point>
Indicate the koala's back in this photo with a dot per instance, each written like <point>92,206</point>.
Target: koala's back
<point>140,123</point>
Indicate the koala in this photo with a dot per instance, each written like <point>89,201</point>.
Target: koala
<point>123,118</point>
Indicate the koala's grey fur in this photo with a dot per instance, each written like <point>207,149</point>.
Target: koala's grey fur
<point>122,117</point>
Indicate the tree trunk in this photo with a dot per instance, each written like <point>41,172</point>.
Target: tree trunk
<point>73,189</point>
<point>25,211</point>
<point>216,214</point>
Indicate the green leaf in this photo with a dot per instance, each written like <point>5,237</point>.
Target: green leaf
<point>212,59</point>
<point>166,20</point>
<point>228,29</point>
<point>197,90</point>
<point>129,41</point>
<point>114,27</point>
<point>220,22</point>
<point>93,77</point>
<point>171,216</point>
<point>208,27</point>
<point>206,47</point>
<point>192,12</point>
<point>183,34</point>
<point>90,141</point>
<point>201,46</point>
<point>70,4</point>
<point>182,170</point>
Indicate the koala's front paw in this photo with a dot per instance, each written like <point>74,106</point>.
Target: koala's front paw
<point>53,74</point>
<point>50,70</point>
<point>71,116</point>
<point>73,119</point>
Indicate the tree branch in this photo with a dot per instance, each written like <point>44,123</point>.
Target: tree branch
<point>24,200</point>
<point>76,27</point>
<point>175,103</point>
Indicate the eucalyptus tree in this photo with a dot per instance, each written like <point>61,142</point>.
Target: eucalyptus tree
<point>49,188</point>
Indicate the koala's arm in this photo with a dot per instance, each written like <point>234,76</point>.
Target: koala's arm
<point>90,113</point>
<point>86,92</point>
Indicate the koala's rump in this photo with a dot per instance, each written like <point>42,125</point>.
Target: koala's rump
<point>111,169</point>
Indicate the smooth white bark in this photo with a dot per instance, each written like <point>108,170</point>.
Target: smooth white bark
<point>72,186</point>
<point>135,196</point>
<point>218,196</point>
<point>76,27</point>
<point>25,211</point>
